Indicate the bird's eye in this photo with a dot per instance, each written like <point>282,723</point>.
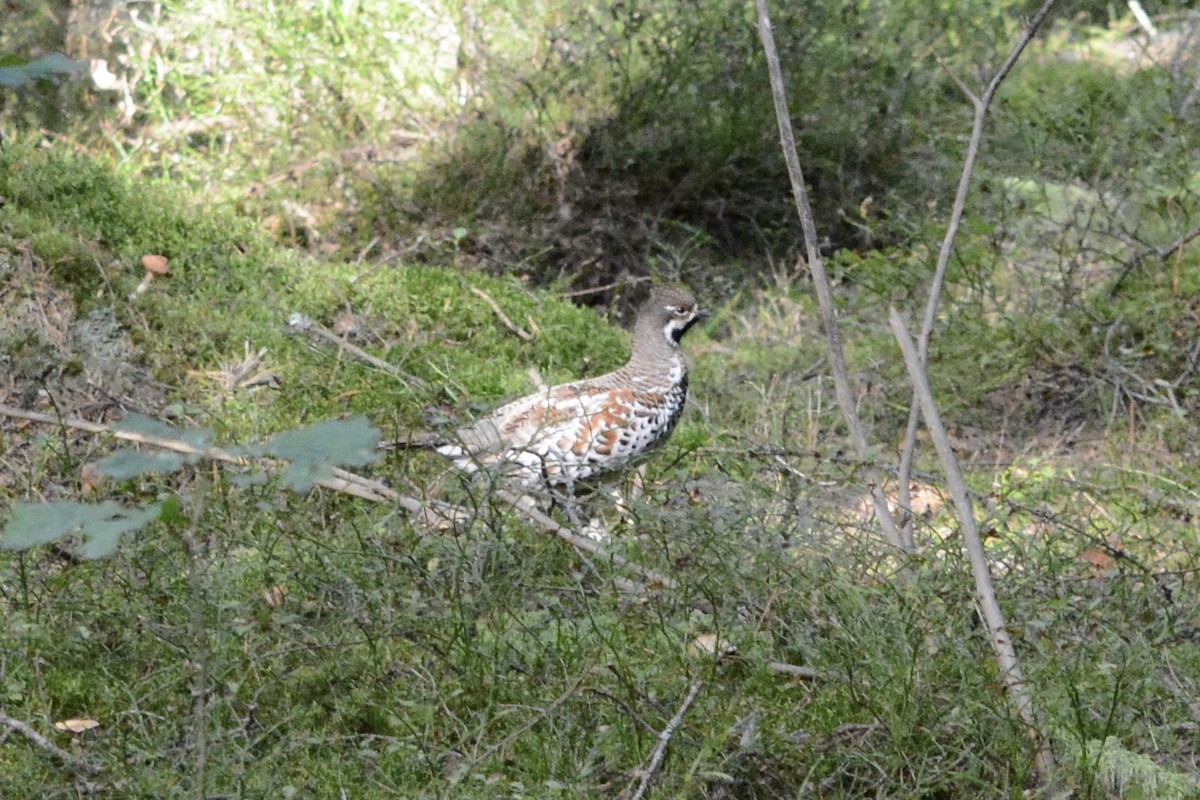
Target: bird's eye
<point>681,311</point>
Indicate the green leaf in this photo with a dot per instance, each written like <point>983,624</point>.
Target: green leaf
<point>314,451</point>
<point>256,478</point>
<point>101,525</point>
<point>103,535</point>
<point>46,66</point>
<point>38,523</point>
<point>125,464</point>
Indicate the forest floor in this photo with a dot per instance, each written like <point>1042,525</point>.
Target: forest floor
<point>744,633</point>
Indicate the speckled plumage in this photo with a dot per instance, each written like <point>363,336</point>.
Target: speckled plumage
<point>576,430</point>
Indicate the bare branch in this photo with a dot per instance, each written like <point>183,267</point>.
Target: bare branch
<point>344,482</point>
<point>1161,253</point>
<point>962,87</point>
<point>1143,19</point>
<point>981,105</point>
<point>664,739</point>
<point>1006,656</point>
<point>837,358</point>
<point>214,453</point>
<point>50,747</point>
<point>1178,245</point>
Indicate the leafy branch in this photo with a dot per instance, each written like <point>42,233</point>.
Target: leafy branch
<point>313,456</point>
<point>310,454</point>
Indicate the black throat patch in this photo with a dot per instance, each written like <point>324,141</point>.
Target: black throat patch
<point>677,333</point>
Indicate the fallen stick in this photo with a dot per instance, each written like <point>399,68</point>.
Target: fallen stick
<point>299,323</point>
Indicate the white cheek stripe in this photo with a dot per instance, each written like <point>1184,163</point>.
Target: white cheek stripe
<point>671,327</point>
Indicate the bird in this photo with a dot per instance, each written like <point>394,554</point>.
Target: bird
<point>561,435</point>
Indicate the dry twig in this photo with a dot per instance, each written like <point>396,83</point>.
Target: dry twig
<point>1006,655</point>
<point>298,323</point>
<point>837,358</point>
<point>527,507</point>
<point>664,739</point>
<point>1159,253</point>
<point>500,315</point>
<point>980,103</point>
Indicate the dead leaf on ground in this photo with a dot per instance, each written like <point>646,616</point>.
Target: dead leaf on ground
<point>76,725</point>
<point>1099,559</point>
<point>275,595</point>
<point>156,264</point>
<point>707,644</point>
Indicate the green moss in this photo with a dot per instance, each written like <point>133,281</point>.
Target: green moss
<point>228,289</point>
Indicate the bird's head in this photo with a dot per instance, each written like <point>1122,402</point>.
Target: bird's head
<point>672,311</point>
